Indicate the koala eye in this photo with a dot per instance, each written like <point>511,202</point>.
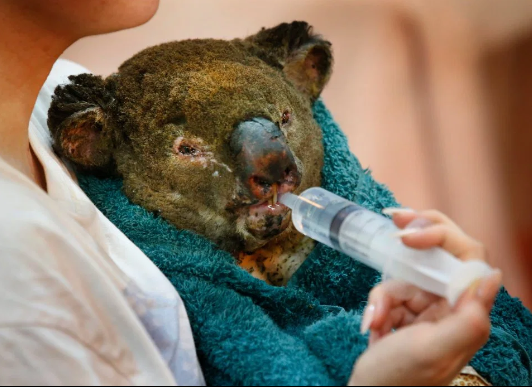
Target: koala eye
<point>286,117</point>
<point>187,150</point>
<point>188,147</point>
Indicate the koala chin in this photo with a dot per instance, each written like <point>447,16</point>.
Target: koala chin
<point>207,133</point>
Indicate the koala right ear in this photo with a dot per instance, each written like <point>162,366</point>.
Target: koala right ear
<point>77,120</point>
<point>305,58</point>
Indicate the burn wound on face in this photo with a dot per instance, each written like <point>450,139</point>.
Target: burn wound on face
<point>193,150</point>
<point>264,157</point>
<point>276,263</point>
<point>266,221</point>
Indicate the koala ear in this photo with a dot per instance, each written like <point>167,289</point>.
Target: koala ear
<point>305,58</point>
<point>77,120</point>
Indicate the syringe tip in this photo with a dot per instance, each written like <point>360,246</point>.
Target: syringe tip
<point>288,199</point>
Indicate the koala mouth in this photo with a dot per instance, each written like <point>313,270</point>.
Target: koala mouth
<point>268,219</point>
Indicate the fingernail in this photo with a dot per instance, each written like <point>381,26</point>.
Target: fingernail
<point>406,232</point>
<point>394,211</point>
<point>419,223</point>
<point>369,313</point>
<point>484,287</point>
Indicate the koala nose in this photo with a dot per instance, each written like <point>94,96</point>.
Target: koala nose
<point>264,158</point>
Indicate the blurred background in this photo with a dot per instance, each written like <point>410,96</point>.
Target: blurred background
<point>434,96</point>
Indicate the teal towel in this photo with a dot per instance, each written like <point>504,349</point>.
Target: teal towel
<point>250,333</point>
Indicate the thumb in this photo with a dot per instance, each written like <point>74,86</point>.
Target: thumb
<point>483,290</point>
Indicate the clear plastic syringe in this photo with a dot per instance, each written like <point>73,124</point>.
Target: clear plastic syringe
<point>369,238</point>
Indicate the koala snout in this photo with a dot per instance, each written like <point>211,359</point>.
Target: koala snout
<point>264,158</point>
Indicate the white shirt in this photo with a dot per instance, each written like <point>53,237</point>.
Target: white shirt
<point>79,302</point>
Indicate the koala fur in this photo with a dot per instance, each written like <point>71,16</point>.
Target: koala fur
<point>166,123</point>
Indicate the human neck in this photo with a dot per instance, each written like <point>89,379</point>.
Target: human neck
<point>28,51</point>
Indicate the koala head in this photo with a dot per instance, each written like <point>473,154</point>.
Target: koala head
<point>205,133</point>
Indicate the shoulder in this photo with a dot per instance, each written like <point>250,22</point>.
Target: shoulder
<point>24,208</point>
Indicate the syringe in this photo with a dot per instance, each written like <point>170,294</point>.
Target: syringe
<point>369,238</point>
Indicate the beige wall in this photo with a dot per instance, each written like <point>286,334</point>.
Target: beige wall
<point>407,90</point>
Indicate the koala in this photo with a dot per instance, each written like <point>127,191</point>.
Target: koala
<point>207,134</point>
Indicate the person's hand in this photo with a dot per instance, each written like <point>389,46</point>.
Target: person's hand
<point>432,341</point>
<point>395,304</point>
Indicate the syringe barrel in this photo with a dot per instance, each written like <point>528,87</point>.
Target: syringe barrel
<point>369,238</point>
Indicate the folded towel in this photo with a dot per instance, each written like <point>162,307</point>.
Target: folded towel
<point>307,333</point>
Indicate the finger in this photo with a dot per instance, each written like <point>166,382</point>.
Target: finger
<point>419,223</point>
<point>421,301</point>
<point>452,240</point>
<point>435,312</point>
<point>484,291</point>
<point>392,294</point>
<point>416,223</point>
<point>403,217</point>
<point>489,289</point>
<point>399,317</point>
<point>384,298</point>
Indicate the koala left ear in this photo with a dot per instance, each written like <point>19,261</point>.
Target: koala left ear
<point>77,120</point>
<point>305,58</point>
